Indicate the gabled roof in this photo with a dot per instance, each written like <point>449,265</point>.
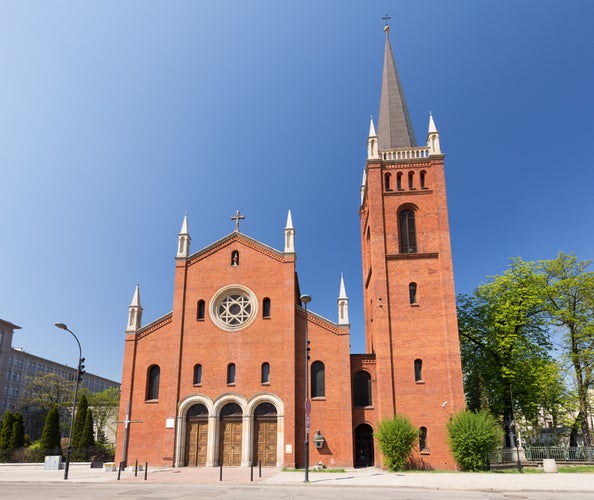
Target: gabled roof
<point>395,128</point>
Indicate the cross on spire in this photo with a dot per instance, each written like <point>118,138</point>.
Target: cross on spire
<point>237,217</point>
<point>386,18</point>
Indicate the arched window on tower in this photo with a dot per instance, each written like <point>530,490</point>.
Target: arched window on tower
<point>411,180</point>
<point>318,380</point>
<point>418,370</point>
<point>412,293</point>
<point>266,308</point>
<point>423,179</point>
<point>235,258</point>
<point>152,386</point>
<point>387,179</point>
<point>197,374</point>
<point>362,389</point>
<point>399,181</point>
<point>265,373</point>
<point>407,231</point>
<point>200,310</point>
<point>231,374</point>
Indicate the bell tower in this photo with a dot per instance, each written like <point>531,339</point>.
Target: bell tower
<point>410,305</point>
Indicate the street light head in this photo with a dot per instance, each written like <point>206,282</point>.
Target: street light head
<point>305,298</point>
<point>61,326</point>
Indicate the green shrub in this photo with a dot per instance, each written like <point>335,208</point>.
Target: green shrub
<point>472,437</point>
<point>396,439</point>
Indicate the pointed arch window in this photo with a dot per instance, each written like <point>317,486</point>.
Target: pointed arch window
<point>362,389</point>
<point>387,183</point>
<point>399,181</point>
<point>412,293</point>
<point>200,310</point>
<point>266,308</point>
<point>235,258</point>
<point>418,370</point>
<point>411,180</point>
<point>407,231</point>
<point>231,374</point>
<point>197,374</point>
<point>318,380</point>
<point>153,379</point>
<point>423,179</point>
<point>265,378</point>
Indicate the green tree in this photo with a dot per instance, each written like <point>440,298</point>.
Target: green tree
<point>472,437</point>
<point>396,438</point>
<point>5,435</point>
<point>17,435</point>
<point>105,407</point>
<point>46,391</point>
<point>78,428</point>
<point>505,342</point>
<point>570,302</point>
<point>50,436</point>
<point>87,441</point>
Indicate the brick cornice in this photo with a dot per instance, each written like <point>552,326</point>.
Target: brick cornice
<point>155,325</point>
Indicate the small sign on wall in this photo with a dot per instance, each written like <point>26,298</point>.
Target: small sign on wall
<point>169,423</point>
<point>288,448</point>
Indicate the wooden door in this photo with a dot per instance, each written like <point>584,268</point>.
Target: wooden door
<point>265,442</point>
<point>196,442</point>
<point>230,442</point>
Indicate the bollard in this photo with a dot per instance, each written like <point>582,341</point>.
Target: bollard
<point>221,472</point>
<point>120,469</point>
<point>136,468</point>
<point>252,472</point>
<point>145,470</point>
<point>259,468</point>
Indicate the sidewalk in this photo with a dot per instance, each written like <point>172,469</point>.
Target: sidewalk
<point>368,478</point>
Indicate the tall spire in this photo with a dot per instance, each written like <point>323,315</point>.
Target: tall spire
<point>395,128</point>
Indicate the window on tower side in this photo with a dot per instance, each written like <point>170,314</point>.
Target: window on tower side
<point>318,380</point>
<point>399,181</point>
<point>152,386</point>
<point>423,179</point>
<point>200,311</point>
<point>266,308</point>
<point>423,440</point>
<point>407,231</point>
<point>198,374</point>
<point>411,179</point>
<point>265,373</point>
<point>231,374</point>
<point>387,178</point>
<point>418,370</point>
<point>412,293</point>
<point>362,389</point>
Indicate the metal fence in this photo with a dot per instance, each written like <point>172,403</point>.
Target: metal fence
<point>560,453</point>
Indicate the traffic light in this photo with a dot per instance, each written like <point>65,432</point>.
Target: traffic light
<point>81,369</point>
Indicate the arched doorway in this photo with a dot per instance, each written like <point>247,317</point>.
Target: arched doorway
<point>230,435</point>
<point>196,436</point>
<point>265,432</point>
<point>364,454</point>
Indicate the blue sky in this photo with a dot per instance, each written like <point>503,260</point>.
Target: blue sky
<point>118,117</point>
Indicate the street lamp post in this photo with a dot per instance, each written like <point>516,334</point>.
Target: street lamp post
<point>305,299</point>
<point>79,373</point>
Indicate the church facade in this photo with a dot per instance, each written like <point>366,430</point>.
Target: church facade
<point>227,377</point>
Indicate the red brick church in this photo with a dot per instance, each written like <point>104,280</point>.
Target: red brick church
<point>222,378</point>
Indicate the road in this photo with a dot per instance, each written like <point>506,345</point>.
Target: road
<point>149,491</point>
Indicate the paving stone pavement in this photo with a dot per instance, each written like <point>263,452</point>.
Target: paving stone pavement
<point>368,477</point>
